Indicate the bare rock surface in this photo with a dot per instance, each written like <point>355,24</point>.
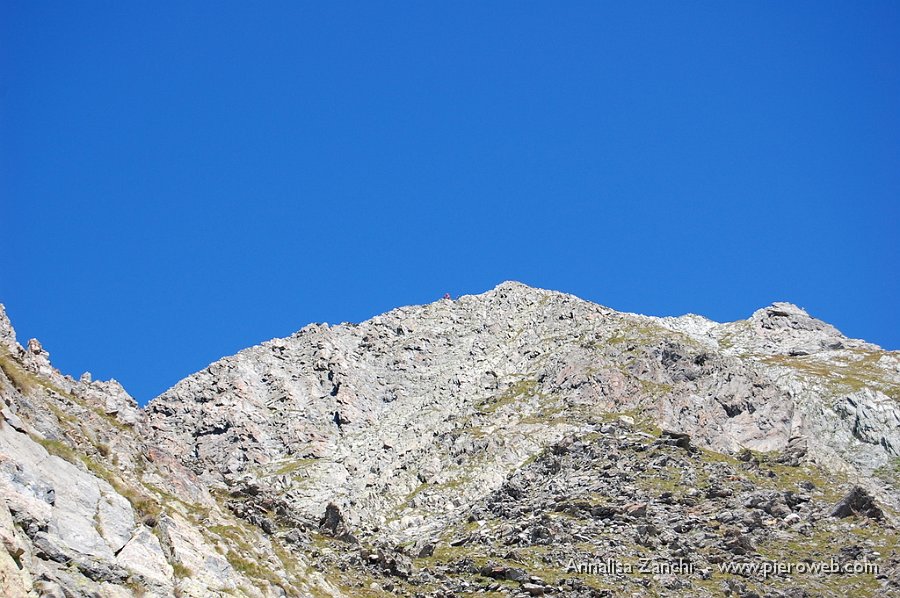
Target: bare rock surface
<point>476,445</point>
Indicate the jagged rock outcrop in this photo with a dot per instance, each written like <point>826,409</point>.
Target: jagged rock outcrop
<point>359,457</point>
<point>90,507</point>
<point>501,371</point>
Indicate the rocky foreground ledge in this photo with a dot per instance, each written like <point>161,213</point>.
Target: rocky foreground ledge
<point>518,442</point>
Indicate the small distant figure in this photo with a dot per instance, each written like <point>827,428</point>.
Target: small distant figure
<point>447,296</point>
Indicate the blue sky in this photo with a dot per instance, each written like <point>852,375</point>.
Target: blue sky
<point>181,180</point>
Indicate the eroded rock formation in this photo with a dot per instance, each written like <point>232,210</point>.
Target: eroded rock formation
<point>478,444</point>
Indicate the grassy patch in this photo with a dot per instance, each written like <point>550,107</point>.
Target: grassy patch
<point>292,466</point>
<point>252,568</point>
<point>655,389</point>
<point>823,545</point>
<point>170,499</point>
<point>850,372</point>
<point>517,390</point>
<point>182,570</point>
<point>23,381</point>
<point>455,483</point>
<point>890,471</point>
<point>57,448</point>
<point>667,479</point>
<point>136,587</point>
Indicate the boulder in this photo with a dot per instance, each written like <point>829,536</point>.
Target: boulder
<point>857,502</point>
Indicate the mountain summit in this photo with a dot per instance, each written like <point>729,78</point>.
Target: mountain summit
<point>506,443</point>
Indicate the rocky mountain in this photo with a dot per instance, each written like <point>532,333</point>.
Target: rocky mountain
<point>521,442</point>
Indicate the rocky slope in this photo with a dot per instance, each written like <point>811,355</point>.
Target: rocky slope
<point>496,443</point>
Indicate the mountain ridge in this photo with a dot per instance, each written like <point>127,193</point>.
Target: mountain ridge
<point>297,457</point>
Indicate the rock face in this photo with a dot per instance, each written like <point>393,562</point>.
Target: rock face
<point>89,506</point>
<point>481,444</point>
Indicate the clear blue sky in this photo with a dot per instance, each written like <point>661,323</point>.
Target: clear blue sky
<point>181,180</point>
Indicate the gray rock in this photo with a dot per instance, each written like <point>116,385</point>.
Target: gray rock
<point>7,333</point>
<point>857,502</point>
<point>489,425</point>
<point>114,518</point>
<point>143,556</point>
